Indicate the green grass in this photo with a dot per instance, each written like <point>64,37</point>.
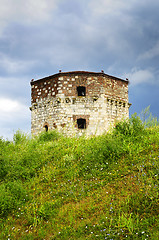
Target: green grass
<point>105,187</point>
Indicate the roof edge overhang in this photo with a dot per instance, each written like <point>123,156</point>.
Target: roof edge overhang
<point>60,74</point>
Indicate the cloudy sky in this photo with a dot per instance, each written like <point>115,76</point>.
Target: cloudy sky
<point>39,37</point>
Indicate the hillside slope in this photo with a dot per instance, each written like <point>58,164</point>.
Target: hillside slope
<point>105,187</point>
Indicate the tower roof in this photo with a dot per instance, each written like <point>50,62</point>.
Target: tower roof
<point>75,73</point>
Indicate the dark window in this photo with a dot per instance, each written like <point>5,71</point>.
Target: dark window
<point>95,99</point>
<point>81,123</point>
<point>81,91</point>
<point>46,128</point>
<point>67,100</point>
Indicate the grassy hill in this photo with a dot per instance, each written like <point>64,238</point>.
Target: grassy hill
<point>105,187</point>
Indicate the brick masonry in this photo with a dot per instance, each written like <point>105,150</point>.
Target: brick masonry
<point>56,104</point>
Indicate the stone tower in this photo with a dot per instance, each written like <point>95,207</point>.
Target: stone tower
<point>78,102</point>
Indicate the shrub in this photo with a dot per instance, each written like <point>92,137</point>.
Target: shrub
<point>131,127</point>
<point>136,124</point>
<point>148,119</point>
<point>19,137</point>
<point>123,128</point>
<point>49,136</point>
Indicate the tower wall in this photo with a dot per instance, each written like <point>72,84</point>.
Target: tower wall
<point>57,104</point>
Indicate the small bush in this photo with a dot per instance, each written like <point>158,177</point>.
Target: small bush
<point>19,137</point>
<point>49,136</point>
<point>136,124</point>
<point>131,127</point>
<point>124,128</point>
<point>148,119</point>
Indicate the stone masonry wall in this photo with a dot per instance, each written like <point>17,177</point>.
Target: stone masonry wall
<point>56,104</point>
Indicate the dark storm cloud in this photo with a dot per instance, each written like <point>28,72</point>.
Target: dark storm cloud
<point>77,36</point>
<point>41,37</point>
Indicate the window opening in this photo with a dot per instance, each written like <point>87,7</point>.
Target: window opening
<point>67,100</point>
<point>46,128</point>
<point>58,101</point>
<point>95,98</point>
<point>81,123</point>
<point>81,91</point>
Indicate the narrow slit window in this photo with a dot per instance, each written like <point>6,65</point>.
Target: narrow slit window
<point>46,128</point>
<point>81,91</point>
<point>81,122</point>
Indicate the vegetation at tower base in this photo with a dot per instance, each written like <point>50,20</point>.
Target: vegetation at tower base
<point>105,187</point>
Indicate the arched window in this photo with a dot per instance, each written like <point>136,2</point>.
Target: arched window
<point>81,122</point>
<point>81,91</point>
